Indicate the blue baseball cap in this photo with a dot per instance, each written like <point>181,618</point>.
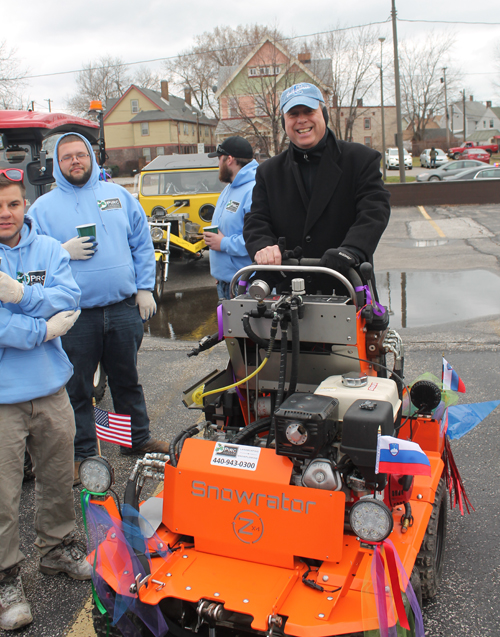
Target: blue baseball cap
<point>303,94</point>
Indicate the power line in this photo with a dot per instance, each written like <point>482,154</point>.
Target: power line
<point>451,22</point>
<point>228,48</point>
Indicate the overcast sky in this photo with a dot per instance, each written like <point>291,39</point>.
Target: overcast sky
<point>52,36</point>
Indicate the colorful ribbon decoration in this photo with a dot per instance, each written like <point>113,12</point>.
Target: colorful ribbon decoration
<point>378,575</point>
<point>378,309</point>
<point>220,323</point>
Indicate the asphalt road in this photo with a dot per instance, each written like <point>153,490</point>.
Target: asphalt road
<point>432,272</point>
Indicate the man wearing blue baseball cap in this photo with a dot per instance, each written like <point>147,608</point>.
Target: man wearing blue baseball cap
<point>323,195</point>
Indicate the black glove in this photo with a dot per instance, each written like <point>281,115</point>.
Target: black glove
<point>339,259</point>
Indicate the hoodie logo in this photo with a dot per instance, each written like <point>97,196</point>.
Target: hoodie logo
<point>109,204</point>
<point>31,278</point>
<point>232,206</point>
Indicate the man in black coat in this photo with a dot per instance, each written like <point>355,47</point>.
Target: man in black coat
<point>322,194</point>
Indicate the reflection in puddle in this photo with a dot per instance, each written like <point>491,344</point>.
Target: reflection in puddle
<point>416,299</point>
<point>185,316</point>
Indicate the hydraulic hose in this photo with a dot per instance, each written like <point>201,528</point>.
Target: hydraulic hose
<point>283,357</point>
<point>253,429</point>
<point>294,374</point>
<point>261,342</point>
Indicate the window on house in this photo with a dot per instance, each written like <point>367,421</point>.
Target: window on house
<point>367,123</point>
<point>185,129</point>
<point>146,153</point>
<point>206,131</point>
<point>277,70</point>
<point>134,106</point>
<point>260,107</point>
<point>491,123</point>
<point>144,128</point>
<point>160,150</point>
<point>233,107</point>
<point>484,123</point>
<point>368,142</point>
<point>192,129</point>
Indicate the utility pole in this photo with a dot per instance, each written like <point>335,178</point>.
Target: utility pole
<point>382,40</point>
<point>446,107</point>
<point>50,102</point>
<point>465,118</point>
<point>402,175</point>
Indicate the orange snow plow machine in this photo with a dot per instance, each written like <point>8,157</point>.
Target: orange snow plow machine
<point>275,518</point>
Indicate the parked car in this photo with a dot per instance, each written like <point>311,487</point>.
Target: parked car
<point>476,173</point>
<point>392,159</point>
<point>476,153</point>
<point>457,151</point>
<point>449,168</point>
<point>425,158</point>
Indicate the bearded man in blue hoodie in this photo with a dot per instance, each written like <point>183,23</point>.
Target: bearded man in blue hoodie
<point>38,304</point>
<point>227,246</point>
<point>116,283</point>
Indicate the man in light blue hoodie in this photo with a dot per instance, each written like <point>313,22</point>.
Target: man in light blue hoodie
<point>116,283</point>
<point>38,304</point>
<point>227,246</point>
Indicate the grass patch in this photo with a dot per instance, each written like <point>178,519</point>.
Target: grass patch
<point>394,179</point>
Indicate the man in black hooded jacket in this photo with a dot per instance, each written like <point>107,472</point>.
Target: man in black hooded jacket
<point>322,194</point>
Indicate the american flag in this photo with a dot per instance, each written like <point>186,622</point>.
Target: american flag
<point>115,428</point>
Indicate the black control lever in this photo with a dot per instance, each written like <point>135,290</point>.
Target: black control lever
<point>366,270</point>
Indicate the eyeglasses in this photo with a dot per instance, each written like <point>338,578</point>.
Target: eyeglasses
<point>13,174</point>
<point>69,158</point>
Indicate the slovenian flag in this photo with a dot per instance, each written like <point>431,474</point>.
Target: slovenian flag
<point>451,380</point>
<point>401,457</point>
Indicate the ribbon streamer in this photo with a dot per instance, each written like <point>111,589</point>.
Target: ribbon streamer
<point>378,309</point>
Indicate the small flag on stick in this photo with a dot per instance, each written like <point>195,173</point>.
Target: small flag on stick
<point>398,456</point>
<point>451,380</point>
<point>115,428</point>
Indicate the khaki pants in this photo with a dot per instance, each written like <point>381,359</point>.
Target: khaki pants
<point>46,426</point>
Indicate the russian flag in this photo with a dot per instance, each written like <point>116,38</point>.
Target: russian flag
<point>401,457</point>
<point>451,380</point>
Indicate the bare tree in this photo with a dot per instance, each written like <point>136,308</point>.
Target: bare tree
<point>11,79</point>
<point>146,78</point>
<point>255,98</point>
<point>421,68</point>
<point>197,69</point>
<point>102,79</point>
<point>354,54</point>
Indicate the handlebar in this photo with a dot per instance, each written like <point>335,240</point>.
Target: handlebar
<point>296,265</point>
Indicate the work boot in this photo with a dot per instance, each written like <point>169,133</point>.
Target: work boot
<point>151,446</point>
<point>14,609</point>
<point>76,474</point>
<point>67,557</point>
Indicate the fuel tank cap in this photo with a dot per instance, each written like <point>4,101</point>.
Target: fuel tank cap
<point>354,379</point>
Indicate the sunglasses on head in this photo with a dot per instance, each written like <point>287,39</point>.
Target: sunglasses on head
<point>221,151</point>
<point>12,174</point>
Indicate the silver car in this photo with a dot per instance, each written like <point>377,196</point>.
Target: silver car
<point>449,168</point>
<point>486,172</point>
<point>425,157</point>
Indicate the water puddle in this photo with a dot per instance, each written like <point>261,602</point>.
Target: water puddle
<point>417,299</point>
<point>414,299</point>
<point>185,316</point>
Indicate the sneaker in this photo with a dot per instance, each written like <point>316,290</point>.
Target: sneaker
<point>151,446</point>
<point>14,609</point>
<point>76,474</point>
<point>67,557</point>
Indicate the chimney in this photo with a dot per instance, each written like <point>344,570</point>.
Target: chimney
<point>305,58</point>
<point>471,98</point>
<point>164,89</point>
<point>187,96</point>
<point>488,104</point>
<point>359,102</point>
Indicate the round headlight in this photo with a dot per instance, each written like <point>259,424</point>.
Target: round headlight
<point>206,212</point>
<point>156,233</point>
<point>371,520</point>
<point>96,474</point>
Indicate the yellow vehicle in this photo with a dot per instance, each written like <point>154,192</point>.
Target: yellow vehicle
<point>179,194</point>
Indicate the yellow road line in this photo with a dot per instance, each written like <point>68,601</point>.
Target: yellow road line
<point>426,216</point>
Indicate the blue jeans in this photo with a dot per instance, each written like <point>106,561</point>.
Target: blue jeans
<point>223,290</point>
<point>112,335</point>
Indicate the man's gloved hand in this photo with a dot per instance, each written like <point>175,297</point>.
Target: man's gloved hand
<point>81,248</point>
<point>11,291</point>
<point>339,259</point>
<point>146,303</point>
<point>61,323</point>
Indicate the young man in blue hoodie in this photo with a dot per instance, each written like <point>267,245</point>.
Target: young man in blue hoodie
<point>38,304</point>
<point>227,246</point>
<point>116,283</point>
